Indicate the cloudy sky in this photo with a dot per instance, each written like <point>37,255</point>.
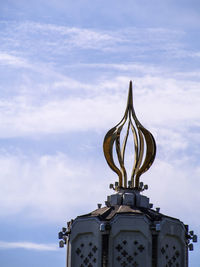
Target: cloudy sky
<point>65,67</point>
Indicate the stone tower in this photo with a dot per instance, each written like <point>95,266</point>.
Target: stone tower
<point>127,232</point>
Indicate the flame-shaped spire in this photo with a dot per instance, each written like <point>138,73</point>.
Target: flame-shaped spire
<point>144,145</point>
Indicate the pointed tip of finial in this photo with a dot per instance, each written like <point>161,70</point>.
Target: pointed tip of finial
<point>130,86</point>
<point>130,95</point>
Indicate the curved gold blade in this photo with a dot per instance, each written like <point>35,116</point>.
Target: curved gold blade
<point>135,164</point>
<point>108,152</point>
<point>150,154</point>
<point>120,156</point>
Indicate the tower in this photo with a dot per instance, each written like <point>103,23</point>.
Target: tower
<point>127,231</point>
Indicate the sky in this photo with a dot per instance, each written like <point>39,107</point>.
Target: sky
<point>65,68</point>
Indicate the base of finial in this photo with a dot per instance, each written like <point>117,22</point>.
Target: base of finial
<point>128,197</point>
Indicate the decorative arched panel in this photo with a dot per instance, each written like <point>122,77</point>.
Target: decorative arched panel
<point>171,252</point>
<point>130,249</point>
<point>84,251</point>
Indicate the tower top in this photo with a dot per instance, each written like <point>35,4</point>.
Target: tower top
<point>144,147</point>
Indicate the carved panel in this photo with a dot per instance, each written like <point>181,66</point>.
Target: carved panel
<point>84,251</point>
<point>130,250</point>
<point>171,252</point>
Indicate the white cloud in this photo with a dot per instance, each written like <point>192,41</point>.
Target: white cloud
<point>27,245</point>
<point>8,59</point>
<point>54,40</point>
<point>102,106</point>
<point>47,187</point>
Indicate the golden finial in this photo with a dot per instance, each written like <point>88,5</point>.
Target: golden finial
<point>144,145</point>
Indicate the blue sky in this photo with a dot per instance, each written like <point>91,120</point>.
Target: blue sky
<point>65,68</point>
